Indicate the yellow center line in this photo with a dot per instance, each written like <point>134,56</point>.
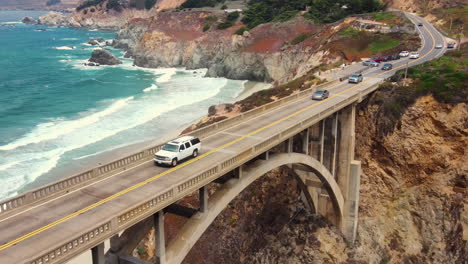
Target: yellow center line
<point>140,184</point>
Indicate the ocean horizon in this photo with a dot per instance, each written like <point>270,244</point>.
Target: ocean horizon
<point>59,117</point>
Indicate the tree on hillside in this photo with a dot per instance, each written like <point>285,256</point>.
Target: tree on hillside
<point>52,2</point>
<point>149,4</point>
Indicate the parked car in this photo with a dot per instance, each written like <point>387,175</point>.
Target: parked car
<point>438,46</point>
<point>374,64</point>
<point>414,55</point>
<point>176,150</point>
<point>450,45</point>
<point>387,66</point>
<point>387,58</point>
<point>320,95</point>
<point>377,59</point>
<point>420,24</point>
<point>404,53</point>
<point>355,78</point>
<point>395,57</point>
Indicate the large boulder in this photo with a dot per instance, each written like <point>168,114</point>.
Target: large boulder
<point>28,20</point>
<point>53,19</point>
<point>104,57</point>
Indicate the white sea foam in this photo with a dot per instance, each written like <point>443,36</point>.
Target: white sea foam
<point>59,127</point>
<point>69,39</point>
<point>11,23</point>
<point>8,165</point>
<point>65,48</point>
<point>167,75</point>
<point>151,88</point>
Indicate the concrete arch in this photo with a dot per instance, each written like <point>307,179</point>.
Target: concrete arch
<point>197,224</point>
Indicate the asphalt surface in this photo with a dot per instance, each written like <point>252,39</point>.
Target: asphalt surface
<point>48,225</point>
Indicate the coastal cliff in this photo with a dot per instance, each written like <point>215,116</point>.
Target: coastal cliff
<point>177,39</point>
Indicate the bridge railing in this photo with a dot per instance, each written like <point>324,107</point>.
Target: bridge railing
<point>76,181</point>
<point>159,201</point>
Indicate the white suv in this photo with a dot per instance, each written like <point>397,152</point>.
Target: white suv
<point>404,53</point>
<point>414,55</point>
<point>177,150</point>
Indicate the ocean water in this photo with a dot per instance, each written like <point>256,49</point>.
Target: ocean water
<point>57,114</point>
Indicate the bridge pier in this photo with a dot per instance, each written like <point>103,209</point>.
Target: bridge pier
<point>97,254</point>
<point>203,198</point>
<point>335,143</point>
<point>305,141</point>
<point>348,174</point>
<point>160,249</point>
<point>322,140</point>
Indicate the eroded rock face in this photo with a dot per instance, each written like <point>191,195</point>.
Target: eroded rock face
<point>104,57</point>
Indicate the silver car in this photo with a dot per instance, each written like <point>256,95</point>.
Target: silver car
<point>355,78</point>
<point>320,95</point>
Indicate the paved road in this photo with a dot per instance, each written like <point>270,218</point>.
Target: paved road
<point>25,234</point>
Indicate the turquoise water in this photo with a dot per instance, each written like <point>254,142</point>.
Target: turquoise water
<point>55,112</point>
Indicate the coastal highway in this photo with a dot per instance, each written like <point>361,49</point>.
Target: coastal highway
<point>35,230</point>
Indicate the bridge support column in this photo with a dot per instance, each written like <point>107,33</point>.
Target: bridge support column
<point>203,197</point>
<point>159,236</point>
<point>322,140</point>
<point>335,143</point>
<point>97,254</point>
<point>238,172</point>
<point>305,141</point>
<point>352,202</point>
<point>289,145</point>
<point>348,172</point>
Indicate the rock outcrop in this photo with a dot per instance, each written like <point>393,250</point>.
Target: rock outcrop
<point>28,20</point>
<point>99,19</point>
<point>104,57</point>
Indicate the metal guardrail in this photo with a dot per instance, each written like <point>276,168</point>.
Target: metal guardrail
<point>68,184</point>
<point>159,201</point>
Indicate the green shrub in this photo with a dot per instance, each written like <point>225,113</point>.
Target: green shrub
<point>211,18</point>
<point>240,31</point>
<point>233,16</point>
<point>299,38</point>
<point>114,4</point>
<point>52,2</point>
<point>88,3</point>
<point>224,7</point>
<point>200,3</point>
<point>206,27</point>
<point>225,25</point>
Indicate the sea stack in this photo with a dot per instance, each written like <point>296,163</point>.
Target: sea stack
<point>28,20</point>
<point>104,57</point>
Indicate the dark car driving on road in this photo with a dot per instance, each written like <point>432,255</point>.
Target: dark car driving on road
<point>387,66</point>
